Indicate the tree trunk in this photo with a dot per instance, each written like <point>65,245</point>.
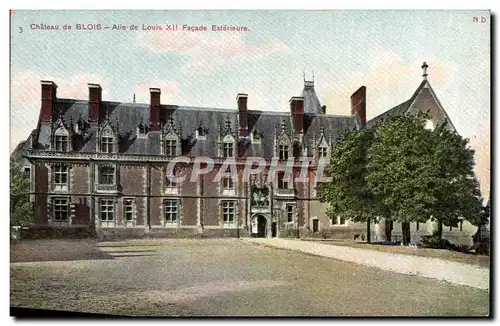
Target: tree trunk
<point>405,227</point>
<point>439,231</point>
<point>388,230</point>
<point>368,231</point>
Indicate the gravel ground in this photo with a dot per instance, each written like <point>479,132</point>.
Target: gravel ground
<point>187,277</point>
<point>453,272</point>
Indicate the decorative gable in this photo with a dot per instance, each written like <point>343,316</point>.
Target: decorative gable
<point>61,136</point>
<point>108,137</point>
<point>170,141</point>
<point>227,140</point>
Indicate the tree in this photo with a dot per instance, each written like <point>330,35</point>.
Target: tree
<point>347,194</point>
<point>400,171</point>
<point>455,187</point>
<point>21,210</point>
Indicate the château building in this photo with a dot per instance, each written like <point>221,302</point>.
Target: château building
<point>100,166</point>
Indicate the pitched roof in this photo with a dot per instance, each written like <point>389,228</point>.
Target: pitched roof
<point>186,120</point>
<point>404,107</point>
<point>396,111</point>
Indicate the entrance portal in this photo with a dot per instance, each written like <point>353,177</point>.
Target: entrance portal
<point>261,226</point>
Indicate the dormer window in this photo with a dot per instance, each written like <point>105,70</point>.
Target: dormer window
<point>227,146</point>
<point>142,130</point>
<point>61,140</point>
<point>61,143</point>
<point>322,151</point>
<point>283,152</point>
<point>255,137</point>
<point>227,150</point>
<point>107,143</point>
<point>201,132</point>
<point>170,147</point>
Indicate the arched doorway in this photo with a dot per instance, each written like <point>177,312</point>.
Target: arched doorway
<point>261,226</point>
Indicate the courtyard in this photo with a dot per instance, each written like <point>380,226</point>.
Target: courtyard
<point>219,277</point>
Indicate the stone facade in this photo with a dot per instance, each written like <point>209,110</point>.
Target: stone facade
<point>111,178</point>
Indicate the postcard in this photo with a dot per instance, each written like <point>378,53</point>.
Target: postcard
<point>159,161</point>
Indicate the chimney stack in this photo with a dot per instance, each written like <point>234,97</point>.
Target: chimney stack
<point>154,109</point>
<point>297,111</point>
<point>358,104</point>
<point>242,100</point>
<point>48,97</point>
<point>95,97</point>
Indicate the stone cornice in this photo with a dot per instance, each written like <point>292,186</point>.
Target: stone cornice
<point>136,158</point>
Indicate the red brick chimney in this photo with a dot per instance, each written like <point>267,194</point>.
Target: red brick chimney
<point>95,97</point>
<point>243,113</point>
<point>154,109</point>
<point>358,104</point>
<point>48,97</point>
<point>297,111</point>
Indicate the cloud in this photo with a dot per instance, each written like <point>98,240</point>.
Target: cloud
<point>389,81</point>
<point>169,90</point>
<point>205,51</point>
<point>25,97</point>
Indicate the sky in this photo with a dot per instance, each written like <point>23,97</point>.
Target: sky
<point>382,50</point>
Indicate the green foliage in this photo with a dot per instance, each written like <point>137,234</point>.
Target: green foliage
<point>400,170</point>
<point>347,194</point>
<point>456,188</point>
<point>403,172</point>
<point>21,210</point>
<point>436,242</point>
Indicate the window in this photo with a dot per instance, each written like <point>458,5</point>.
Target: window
<point>429,125</point>
<point>461,225</point>
<point>315,225</point>
<point>323,151</point>
<point>27,172</point>
<point>228,212</point>
<point>418,226</point>
<point>107,210</point>
<point>255,136</point>
<point>169,181</point>
<point>170,147</point>
<point>128,213</point>
<point>143,129</point>
<point>60,210</point>
<point>283,152</point>
<point>282,183</point>
<point>201,132</point>
<point>61,143</point>
<point>334,220</point>
<point>227,183</point>
<point>451,228</point>
<point>60,176</point>
<point>342,219</point>
<point>289,213</point>
<point>106,175</point>
<point>107,143</point>
<point>227,150</point>
<point>171,211</point>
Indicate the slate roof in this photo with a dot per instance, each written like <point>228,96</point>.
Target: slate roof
<point>396,111</point>
<point>21,149</point>
<point>311,102</point>
<point>402,108</point>
<point>186,120</point>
